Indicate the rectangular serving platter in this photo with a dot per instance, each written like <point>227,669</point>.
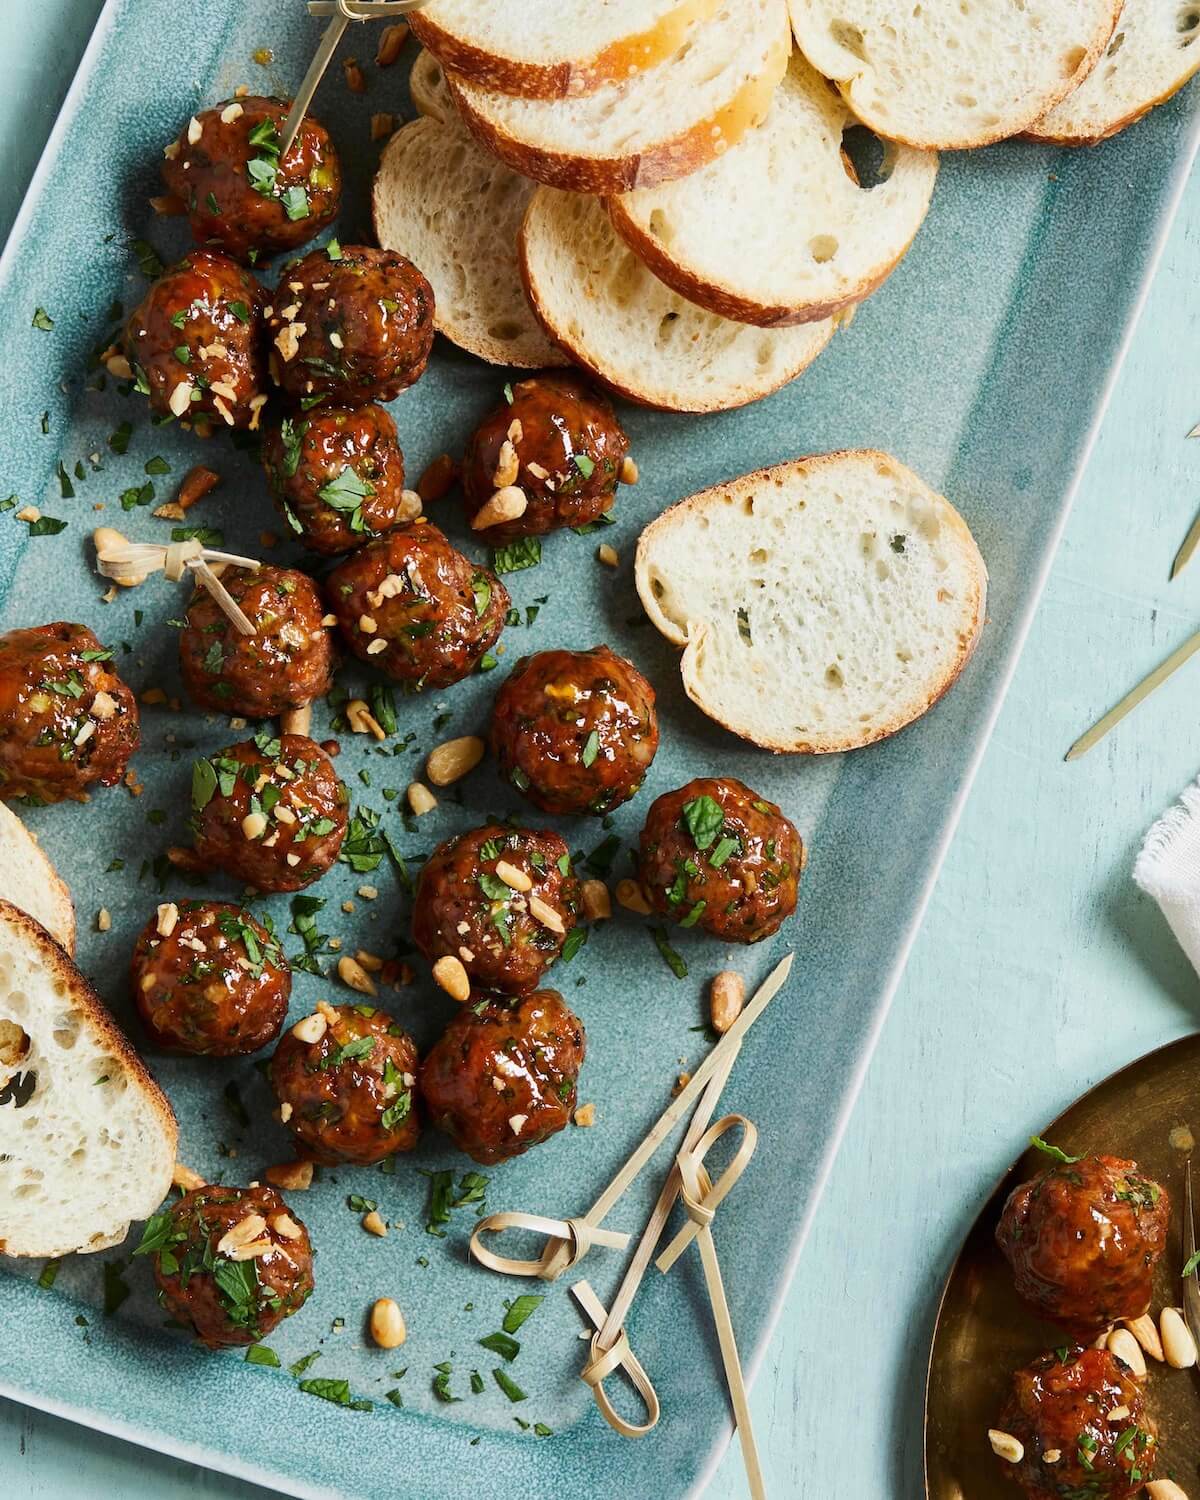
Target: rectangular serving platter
<point>984,363</point>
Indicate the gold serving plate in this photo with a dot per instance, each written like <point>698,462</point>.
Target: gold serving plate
<point>1149,1112</point>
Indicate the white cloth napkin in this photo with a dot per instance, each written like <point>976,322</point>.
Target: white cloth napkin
<point>1168,868</point>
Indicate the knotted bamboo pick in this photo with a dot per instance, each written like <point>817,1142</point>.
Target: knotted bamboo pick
<point>130,563</point>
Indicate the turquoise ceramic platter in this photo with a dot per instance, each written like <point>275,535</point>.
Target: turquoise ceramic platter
<point>983,363</point>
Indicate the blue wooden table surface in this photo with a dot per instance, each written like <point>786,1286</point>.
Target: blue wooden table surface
<point>1039,968</point>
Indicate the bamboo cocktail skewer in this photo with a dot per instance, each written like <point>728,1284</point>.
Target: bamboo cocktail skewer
<point>1134,697</point>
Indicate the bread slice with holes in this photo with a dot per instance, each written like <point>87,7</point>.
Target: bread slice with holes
<point>30,881</point>
<point>442,200</point>
<point>1151,55</point>
<point>655,126</point>
<point>87,1138</point>
<point>549,49</point>
<point>613,316</point>
<point>781,229</point>
<point>950,76</point>
<point>822,604</point>
<point>429,89</point>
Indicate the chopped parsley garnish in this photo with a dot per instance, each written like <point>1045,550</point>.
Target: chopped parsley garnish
<point>360,1205</point>
<point>584,464</point>
<point>1192,1263</point>
<point>304,1363</point>
<point>337,1391</point>
<point>157,465</point>
<point>591,748</point>
<point>521,1310</point>
<point>1053,1151</point>
<point>259,1354</point>
<point>148,259</point>
<point>574,940</point>
<point>295,203</point>
<point>502,1344</point>
<point>703,818</point>
<point>508,1385</point>
<point>364,846</point>
<point>46,526</point>
<point>441,1382</point>
<point>525,552</point>
<point>674,961</point>
<point>361,1046</point>
<point>42,320</point>
<point>49,1272</point>
<point>725,847</point>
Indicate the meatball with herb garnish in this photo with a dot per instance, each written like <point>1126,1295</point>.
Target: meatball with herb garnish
<point>194,343</point>
<point>287,663</point>
<point>239,193</point>
<point>67,721</point>
<point>414,607</point>
<point>502,1076</point>
<point>352,329</point>
<point>556,440</point>
<point>575,731</point>
<point>344,1078</point>
<point>231,1263</point>
<point>1083,1239</point>
<point>501,900</point>
<point>209,979</point>
<point>271,811</point>
<point>337,476</point>
<point>715,855</point>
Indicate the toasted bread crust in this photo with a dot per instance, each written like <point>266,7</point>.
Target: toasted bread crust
<point>60,901</point>
<point>1096,138</point>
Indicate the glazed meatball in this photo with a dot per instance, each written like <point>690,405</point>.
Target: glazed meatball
<point>575,731</point>
<point>716,855</point>
<point>67,721</point>
<point>500,899</point>
<point>1059,1405</point>
<point>337,475</point>
<point>348,1095</point>
<point>1083,1240</point>
<point>194,343</point>
<point>287,663</point>
<point>209,979</point>
<point>416,608</point>
<point>228,1301</point>
<point>358,328</point>
<point>558,441</point>
<point>239,194</point>
<point>502,1077</point>
<point>269,811</point>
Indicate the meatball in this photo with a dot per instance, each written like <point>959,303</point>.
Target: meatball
<point>337,475</point>
<point>1059,1406</point>
<point>231,1262</point>
<point>240,195</point>
<point>66,718</point>
<point>575,731</point>
<point>270,811</point>
<point>348,1095</point>
<point>500,899</point>
<point>209,979</point>
<point>560,442</point>
<point>502,1077</point>
<point>287,663</point>
<point>195,339</point>
<point>1083,1240</point>
<point>716,855</point>
<point>416,608</point>
<point>358,328</point>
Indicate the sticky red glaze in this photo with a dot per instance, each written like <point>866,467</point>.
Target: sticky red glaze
<point>1083,1240</point>
<point>502,1077</point>
<point>204,988</point>
<point>556,417</point>
<point>215,179</point>
<point>194,1296</point>
<point>442,614</point>
<point>359,1109</point>
<point>200,325</point>
<point>350,452</point>
<point>747,895</point>
<point>287,663</point>
<point>48,692</point>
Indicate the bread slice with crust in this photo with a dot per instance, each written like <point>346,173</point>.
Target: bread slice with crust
<point>87,1138</point>
<point>655,126</point>
<point>596,300</point>
<point>455,211</point>
<point>549,49</point>
<point>779,229</point>
<point>946,76</point>
<point>1150,56</point>
<point>429,89</point>
<point>822,604</point>
<point>30,881</point>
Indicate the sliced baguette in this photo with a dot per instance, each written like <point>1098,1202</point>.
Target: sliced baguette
<point>93,1147</point>
<point>1152,54</point>
<point>944,76</point>
<point>778,229</point>
<point>548,49</point>
<point>429,89</point>
<point>455,211</point>
<point>614,317</point>
<point>656,126</point>
<point>822,604</point>
<point>30,881</point>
